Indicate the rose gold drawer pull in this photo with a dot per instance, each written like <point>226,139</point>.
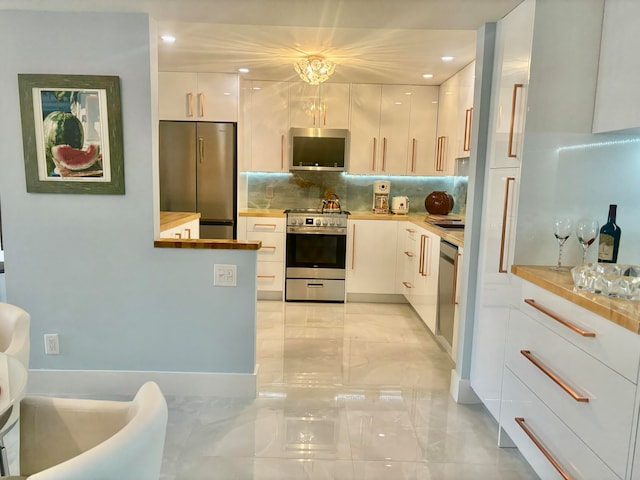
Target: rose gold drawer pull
<point>189,104</point>
<point>188,232</point>
<point>570,326</point>
<point>410,230</point>
<point>282,152</point>
<point>201,104</point>
<point>543,450</point>
<point>407,284</point>
<point>514,97</point>
<point>374,154</point>
<point>503,236</point>
<point>578,398</point>
<point>266,276</point>
<point>269,247</point>
<point>410,254</point>
<point>264,225</point>
<point>467,130</point>
<point>413,156</point>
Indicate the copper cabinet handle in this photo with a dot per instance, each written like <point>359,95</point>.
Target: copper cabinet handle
<point>410,230</point>
<point>516,87</point>
<point>413,155</point>
<point>410,254</point>
<point>269,247</point>
<point>282,152</point>
<point>353,247</point>
<point>407,284</point>
<point>266,276</point>
<point>324,114</point>
<point>468,115</point>
<point>375,153</point>
<point>188,232</point>
<point>577,397</point>
<point>569,325</point>
<point>454,301</point>
<point>265,225</point>
<point>201,103</point>
<point>425,261</point>
<point>439,153</point>
<point>543,450</point>
<point>384,153</point>
<point>189,104</point>
<point>421,267</point>
<point>177,235</point>
<point>503,236</point>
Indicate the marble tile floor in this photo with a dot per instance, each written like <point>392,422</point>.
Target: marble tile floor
<point>345,392</point>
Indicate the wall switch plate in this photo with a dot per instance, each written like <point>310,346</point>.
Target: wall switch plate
<point>269,192</point>
<point>51,345</point>
<point>225,275</point>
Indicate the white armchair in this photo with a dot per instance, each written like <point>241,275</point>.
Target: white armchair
<point>81,439</point>
<point>14,332</point>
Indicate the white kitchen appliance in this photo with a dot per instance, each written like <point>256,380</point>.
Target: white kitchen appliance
<point>381,190</point>
<point>400,205</point>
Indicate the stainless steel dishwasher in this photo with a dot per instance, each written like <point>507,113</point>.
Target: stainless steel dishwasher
<point>446,292</point>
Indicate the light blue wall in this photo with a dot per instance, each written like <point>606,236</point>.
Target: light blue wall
<point>565,168</point>
<point>84,266</point>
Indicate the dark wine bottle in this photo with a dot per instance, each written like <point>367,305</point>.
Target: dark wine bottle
<point>609,240</point>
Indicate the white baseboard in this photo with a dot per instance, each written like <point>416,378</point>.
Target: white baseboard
<point>460,389</point>
<point>126,382</point>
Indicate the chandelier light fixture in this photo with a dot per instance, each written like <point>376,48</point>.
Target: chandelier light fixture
<point>314,69</point>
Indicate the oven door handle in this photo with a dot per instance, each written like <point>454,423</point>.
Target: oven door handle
<point>317,231</point>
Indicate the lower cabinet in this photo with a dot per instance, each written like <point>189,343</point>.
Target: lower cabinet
<point>569,388</point>
<point>371,256</point>
<point>419,253</point>
<point>270,266</point>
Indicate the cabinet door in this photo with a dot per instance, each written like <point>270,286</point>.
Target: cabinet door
<point>217,97</point>
<point>334,103</point>
<point>304,105</point>
<point>423,123</point>
<point>508,105</point>
<point>407,261</point>
<point>395,110</point>
<point>365,128</point>
<point>177,95</point>
<point>269,126</point>
<point>426,278</point>
<point>495,289</point>
<point>371,256</point>
<point>446,141</point>
<point>465,110</point>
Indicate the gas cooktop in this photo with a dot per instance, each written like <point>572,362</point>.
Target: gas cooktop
<point>316,211</point>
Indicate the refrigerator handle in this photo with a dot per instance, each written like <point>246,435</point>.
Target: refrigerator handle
<point>201,149</point>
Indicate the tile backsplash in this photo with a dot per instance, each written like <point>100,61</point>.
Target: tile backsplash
<point>306,190</point>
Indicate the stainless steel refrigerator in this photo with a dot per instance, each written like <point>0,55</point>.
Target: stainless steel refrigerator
<point>198,168</point>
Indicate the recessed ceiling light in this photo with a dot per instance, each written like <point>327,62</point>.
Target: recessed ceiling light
<point>446,58</point>
<point>427,75</point>
<point>168,38</point>
<point>243,70</point>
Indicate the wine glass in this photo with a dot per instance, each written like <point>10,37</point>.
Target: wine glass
<point>562,227</point>
<point>587,232</point>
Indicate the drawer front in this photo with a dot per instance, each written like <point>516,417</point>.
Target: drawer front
<point>604,421</point>
<point>265,224</point>
<point>272,249</point>
<point>567,449</point>
<point>270,276</point>
<point>613,345</point>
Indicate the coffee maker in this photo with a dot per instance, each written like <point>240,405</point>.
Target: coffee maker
<point>381,190</point>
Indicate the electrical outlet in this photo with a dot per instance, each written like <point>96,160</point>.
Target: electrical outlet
<point>51,345</point>
<point>269,192</point>
<point>224,275</point>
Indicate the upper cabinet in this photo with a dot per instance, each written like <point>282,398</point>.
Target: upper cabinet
<point>511,82</point>
<point>617,93</point>
<point>266,136</point>
<point>211,97</point>
<point>319,106</point>
<point>455,117</point>
<point>392,129</point>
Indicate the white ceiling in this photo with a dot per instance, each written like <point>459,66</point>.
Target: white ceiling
<point>371,41</point>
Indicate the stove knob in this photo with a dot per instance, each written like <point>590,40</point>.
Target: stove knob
<point>331,221</point>
<point>318,222</point>
<point>324,222</point>
<point>294,221</point>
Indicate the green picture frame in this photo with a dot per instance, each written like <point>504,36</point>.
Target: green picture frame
<point>72,133</point>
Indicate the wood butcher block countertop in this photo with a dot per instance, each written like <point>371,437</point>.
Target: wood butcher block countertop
<point>625,313</point>
<point>173,219</point>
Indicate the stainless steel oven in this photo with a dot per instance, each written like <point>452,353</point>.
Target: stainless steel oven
<point>316,256</point>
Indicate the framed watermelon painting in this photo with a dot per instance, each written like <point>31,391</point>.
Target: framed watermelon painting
<point>72,133</point>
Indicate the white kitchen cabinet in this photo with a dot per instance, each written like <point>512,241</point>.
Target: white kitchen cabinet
<point>455,117</point>
<point>206,97</point>
<point>583,369</point>
<point>514,38</point>
<point>407,261</point>
<point>372,256</point>
<point>364,128</point>
<point>188,230</point>
<point>422,130</point>
<point>617,93</point>
<point>319,106</point>
<point>268,127</point>
<point>271,256</point>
